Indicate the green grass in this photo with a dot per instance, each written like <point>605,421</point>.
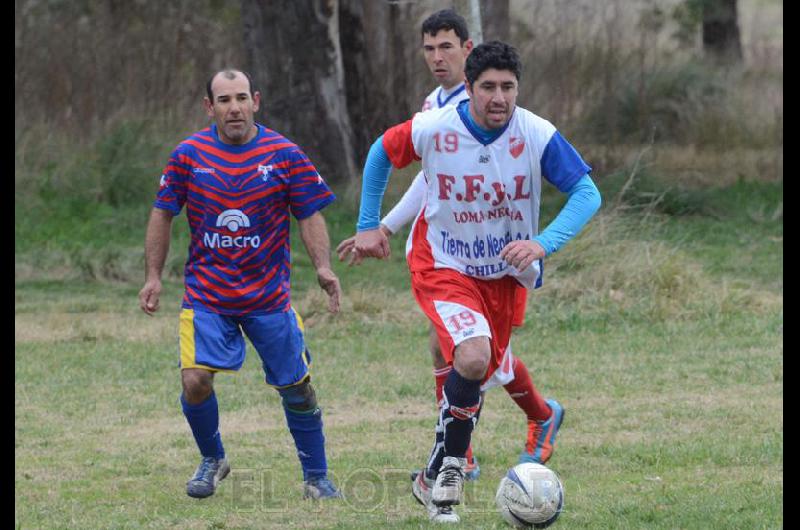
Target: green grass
<point>671,370</point>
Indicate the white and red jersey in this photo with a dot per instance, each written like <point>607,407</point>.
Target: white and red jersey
<point>440,97</point>
<point>410,204</point>
<point>479,197</point>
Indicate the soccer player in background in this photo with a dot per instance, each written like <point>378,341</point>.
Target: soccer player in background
<point>475,241</point>
<point>446,45</point>
<point>240,181</point>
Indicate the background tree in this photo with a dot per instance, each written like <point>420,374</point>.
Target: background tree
<point>719,24</point>
<point>495,20</point>
<point>299,70</point>
<point>721,38</point>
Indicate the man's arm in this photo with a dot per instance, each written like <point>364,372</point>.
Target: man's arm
<point>370,241</point>
<point>156,248</point>
<point>403,212</point>
<point>314,234</point>
<point>584,200</point>
<point>408,207</point>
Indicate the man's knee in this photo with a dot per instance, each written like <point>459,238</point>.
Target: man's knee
<point>299,398</point>
<point>197,385</point>
<point>472,357</point>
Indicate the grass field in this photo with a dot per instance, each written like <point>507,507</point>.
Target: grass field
<point>660,329</point>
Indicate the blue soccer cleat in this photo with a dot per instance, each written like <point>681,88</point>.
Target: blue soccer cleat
<point>320,488</point>
<point>208,474</point>
<point>542,436</point>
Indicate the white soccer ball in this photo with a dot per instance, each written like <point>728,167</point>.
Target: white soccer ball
<point>530,496</point>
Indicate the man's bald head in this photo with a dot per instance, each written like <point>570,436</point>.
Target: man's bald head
<point>228,73</point>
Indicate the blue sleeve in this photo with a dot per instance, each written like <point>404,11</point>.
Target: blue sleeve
<point>562,166</point>
<point>584,200</point>
<point>373,185</point>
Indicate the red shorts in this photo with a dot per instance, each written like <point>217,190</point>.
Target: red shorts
<point>520,302</point>
<point>461,308</point>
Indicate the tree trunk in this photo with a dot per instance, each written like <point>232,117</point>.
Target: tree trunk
<point>295,60</point>
<point>721,39</point>
<point>471,11</point>
<point>378,62</point>
<point>495,19</point>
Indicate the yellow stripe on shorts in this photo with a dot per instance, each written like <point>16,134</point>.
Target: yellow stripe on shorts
<point>186,341</point>
<point>186,334</point>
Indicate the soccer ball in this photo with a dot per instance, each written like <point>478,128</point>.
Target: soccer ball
<point>530,496</point>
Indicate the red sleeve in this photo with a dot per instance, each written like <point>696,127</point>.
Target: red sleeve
<point>398,145</point>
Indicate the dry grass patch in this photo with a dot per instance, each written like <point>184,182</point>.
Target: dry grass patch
<point>93,326</point>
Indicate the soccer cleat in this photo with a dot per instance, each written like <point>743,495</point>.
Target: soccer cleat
<point>542,436</point>
<point>422,489</point>
<point>320,488</point>
<point>206,477</point>
<point>449,482</point>
<point>471,472</point>
<point>445,514</point>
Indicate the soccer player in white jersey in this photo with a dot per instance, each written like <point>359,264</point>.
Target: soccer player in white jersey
<point>476,240</point>
<point>446,45</point>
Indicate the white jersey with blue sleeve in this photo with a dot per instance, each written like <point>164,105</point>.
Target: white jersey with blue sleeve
<point>480,197</point>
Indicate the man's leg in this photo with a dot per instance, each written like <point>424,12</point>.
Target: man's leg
<point>544,416</point>
<point>462,398</point>
<point>279,340</point>
<point>441,370</point>
<point>304,419</point>
<point>200,408</point>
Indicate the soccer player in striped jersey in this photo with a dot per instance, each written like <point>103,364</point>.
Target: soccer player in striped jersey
<point>477,239</point>
<point>239,183</point>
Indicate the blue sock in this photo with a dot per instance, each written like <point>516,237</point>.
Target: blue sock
<point>204,422</point>
<point>306,429</point>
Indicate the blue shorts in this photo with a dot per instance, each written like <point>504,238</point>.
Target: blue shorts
<point>215,342</point>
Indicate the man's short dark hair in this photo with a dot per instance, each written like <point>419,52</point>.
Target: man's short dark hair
<point>444,20</point>
<point>492,54</point>
<point>228,73</point>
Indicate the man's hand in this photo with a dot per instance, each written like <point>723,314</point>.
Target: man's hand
<point>370,244</point>
<point>346,249</point>
<point>149,296</point>
<point>522,253</point>
<point>330,284</point>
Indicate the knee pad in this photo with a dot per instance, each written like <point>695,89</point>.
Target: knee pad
<point>299,398</point>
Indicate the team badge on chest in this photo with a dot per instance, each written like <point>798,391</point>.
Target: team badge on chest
<point>516,146</point>
<point>265,171</point>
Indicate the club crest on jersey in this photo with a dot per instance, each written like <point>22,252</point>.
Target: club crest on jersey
<point>265,171</point>
<point>516,146</point>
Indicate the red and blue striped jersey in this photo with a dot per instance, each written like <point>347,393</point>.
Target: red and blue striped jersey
<point>238,199</point>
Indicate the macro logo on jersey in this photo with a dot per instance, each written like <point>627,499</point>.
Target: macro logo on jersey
<point>516,146</point>
<point>233,220</point>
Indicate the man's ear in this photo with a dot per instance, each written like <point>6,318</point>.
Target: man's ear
<point>209,107</point>
<point>256,100</point>
<point>468,45</point>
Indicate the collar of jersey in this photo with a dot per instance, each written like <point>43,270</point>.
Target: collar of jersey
<point>232,147</point>
<point>448,98</point>
<point>484,136</point>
